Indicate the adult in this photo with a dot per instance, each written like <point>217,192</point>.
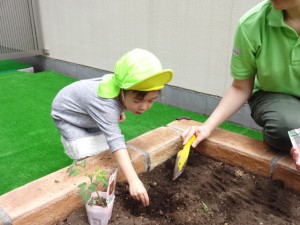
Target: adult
<point>265,65</point>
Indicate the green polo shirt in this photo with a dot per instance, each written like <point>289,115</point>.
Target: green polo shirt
<point>267,48</point>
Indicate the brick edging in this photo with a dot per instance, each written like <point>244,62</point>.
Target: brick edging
<point>4,217</point>
<point>52,198</point>
<point>250,154</point>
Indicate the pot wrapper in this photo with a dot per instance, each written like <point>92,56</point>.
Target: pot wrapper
<point>295,138</point>
<point>111,186</point>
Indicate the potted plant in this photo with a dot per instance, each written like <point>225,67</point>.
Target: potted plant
<point>97,194</point>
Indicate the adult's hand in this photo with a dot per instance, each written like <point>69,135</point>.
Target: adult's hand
<point>200,131</point>
<point>296,157</point>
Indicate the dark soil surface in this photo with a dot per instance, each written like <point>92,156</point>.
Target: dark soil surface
<point>207,192</point>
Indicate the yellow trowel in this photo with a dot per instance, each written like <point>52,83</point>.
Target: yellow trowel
<point>182,157</point>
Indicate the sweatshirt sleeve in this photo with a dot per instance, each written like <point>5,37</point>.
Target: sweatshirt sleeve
<point>107,118</point>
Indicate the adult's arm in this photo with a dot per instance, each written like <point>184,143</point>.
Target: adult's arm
<point>237,94</point>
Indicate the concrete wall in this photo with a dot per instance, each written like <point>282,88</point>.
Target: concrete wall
<point>84,38</point>
<point>194,37</point>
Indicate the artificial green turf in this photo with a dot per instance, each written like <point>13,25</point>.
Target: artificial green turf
<point>160,115</point>
<point>30,144</point>
<point>9,66</point>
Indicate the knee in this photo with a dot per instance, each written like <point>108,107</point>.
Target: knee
<point>276,131</point>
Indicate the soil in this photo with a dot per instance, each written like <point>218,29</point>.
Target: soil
<point>207,192</point>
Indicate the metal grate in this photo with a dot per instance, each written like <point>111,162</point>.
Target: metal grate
<point>18,30</point>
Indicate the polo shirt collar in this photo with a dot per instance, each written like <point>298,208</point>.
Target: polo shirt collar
<point>276,18</point>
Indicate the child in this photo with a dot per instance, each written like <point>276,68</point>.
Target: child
<point>87,112</point>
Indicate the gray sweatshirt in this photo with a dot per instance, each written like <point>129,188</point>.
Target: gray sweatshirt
<point>78,112</point>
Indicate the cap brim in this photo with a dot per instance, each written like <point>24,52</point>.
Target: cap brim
<point>154,82</point>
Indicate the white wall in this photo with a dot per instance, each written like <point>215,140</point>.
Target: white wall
<point>192,37</point>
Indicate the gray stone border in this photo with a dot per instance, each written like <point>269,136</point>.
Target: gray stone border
<point>4,217</point>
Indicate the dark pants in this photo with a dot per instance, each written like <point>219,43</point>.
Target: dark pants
<point>277,114</point>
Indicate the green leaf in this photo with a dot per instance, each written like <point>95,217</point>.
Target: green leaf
<point>82,185</point>
<point>86,198</point>
<point>204,206</point>
<point>83,163</point>
<point>76,171</point>
<point>104,181</point>
<point>92,187</point>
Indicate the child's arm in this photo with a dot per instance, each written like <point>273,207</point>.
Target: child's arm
<point>136,187</point>
<point>122,117</point>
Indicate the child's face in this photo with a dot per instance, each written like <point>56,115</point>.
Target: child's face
<point>285,4</point>
<point>138,104</point>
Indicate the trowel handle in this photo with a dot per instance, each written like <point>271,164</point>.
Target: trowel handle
<point>190,142</point>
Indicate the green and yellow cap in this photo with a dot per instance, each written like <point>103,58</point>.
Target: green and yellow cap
<point>138,70</point>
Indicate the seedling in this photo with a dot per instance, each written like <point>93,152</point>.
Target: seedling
<point>204,206</point>
<point>98,180</point>
<point>75,168</point>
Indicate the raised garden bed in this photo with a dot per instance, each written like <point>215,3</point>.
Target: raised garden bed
<point>208,192</point>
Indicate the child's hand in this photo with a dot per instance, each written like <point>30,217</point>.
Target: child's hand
<point>136,187</point>
<point>138,192</point>
<point>296,157</point>
<point>122,117</point>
